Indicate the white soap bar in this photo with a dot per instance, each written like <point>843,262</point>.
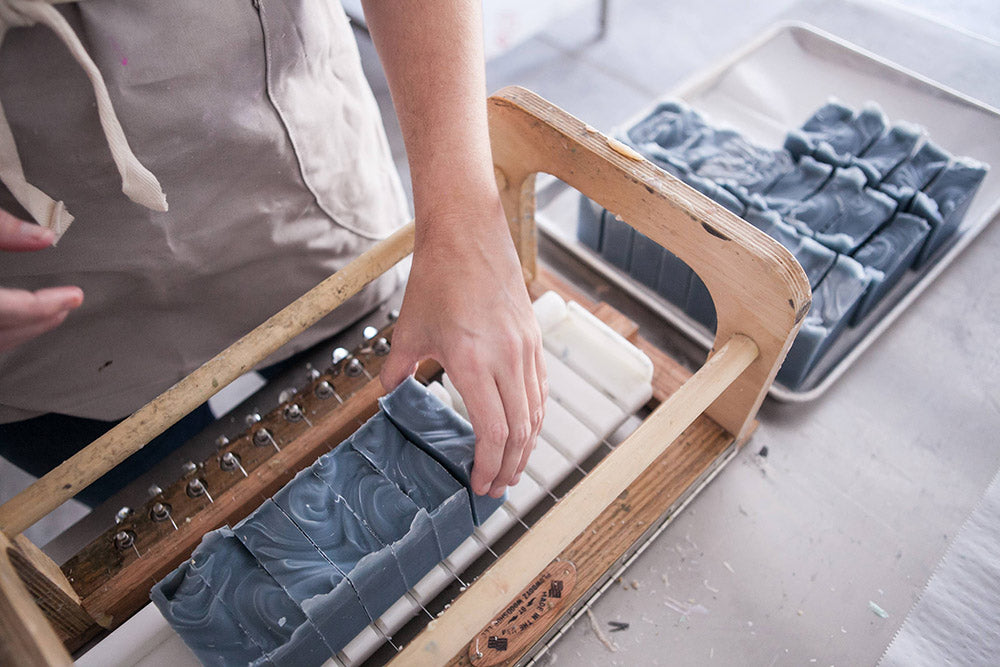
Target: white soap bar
<point>463,556</point>
<point>499,523</point>
<point>441,393</point>
<point>524,496</point>
<point>456,399</point>
<point>586,403</point>
<point>547,465</point>
<point>396,616</point>
<point>361,647</point>
<point>432,584</point>
<point>567,433</point>
<point>550,309</point>
<point>602,356</point>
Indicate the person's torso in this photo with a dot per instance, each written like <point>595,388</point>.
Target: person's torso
<point>256,119</point>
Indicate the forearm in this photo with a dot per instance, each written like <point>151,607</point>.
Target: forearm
<point>432,54</point>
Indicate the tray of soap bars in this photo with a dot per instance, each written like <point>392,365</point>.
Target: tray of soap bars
<point>874,177</point>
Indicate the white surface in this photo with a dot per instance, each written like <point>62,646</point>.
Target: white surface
<point>524,495</point>
<point>567,433</point>
<point>499,523</point>
<point>956,620</point>
<point>362,646</point>
<point>464,554</point>
<point>145,639</point>
<point>547,466</point>
<point>588,404</point>
<point>601,356</point>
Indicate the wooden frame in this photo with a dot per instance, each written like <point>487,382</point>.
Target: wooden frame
<point>760,292</point>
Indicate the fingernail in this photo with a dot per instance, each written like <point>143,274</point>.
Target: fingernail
<point>517,478</point>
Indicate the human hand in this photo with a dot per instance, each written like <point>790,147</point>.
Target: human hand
<point>23,314</point>
<point>467,307</point>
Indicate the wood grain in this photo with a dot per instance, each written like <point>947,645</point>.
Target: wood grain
<point>26,638</point>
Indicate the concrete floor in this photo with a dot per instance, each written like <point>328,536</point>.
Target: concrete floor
<point>776,562</point>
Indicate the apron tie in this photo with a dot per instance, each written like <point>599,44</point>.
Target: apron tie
<point>138,183</point>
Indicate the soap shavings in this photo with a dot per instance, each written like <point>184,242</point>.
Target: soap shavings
<point>877,610</point>
<point>608,644</point>
<point>625,150</point>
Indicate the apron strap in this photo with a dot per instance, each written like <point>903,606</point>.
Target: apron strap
<point>138,183</point>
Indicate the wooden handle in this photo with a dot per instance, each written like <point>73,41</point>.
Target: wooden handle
<point>758,288</point>
<point>128,437</point>
<point>448,635</point>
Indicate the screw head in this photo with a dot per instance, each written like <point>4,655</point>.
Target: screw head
<point>154,490</point>
<point>324,390</point>
<point>339,355</point>
<point>229,461</point>
<point>221,441</point>
<point>123,514</point>
<point>195,488</point>
<point>354,368</point>
<point>189,467</point>
<point>124,539</point>
<point>381,347</point>
<point>293,413</point>
<point>159,512</point>
<point>261,437</point>
<point>369,332</point>
<point>252,418</point>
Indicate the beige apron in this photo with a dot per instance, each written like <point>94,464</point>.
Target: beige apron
<point>256,120</point>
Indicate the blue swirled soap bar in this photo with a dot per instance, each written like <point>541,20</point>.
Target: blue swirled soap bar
<point>421,478</point>
<point>334,549</point>
<point>841,192</point>
<point>326,596</point>
<point>437,429</point>
<point>208,628</point>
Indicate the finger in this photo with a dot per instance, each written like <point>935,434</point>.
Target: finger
<point>18,235</point>
<point>399,365</point>
<point>536,407</point>
<point>11,338</point>
<point>22,308</point>
<point>479,391</point>
<point>514,395</point>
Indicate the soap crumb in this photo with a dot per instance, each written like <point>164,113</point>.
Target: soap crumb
<point>635,584</point>
<point>624,150</point>
<point>281,622</point>
<point>728,567</point>
<point>705,583</point>
<point>800,612</point>
<point>877,610</point>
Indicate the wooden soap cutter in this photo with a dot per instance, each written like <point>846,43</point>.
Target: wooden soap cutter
<point>761,296</point>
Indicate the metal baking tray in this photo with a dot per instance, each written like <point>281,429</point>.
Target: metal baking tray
<point>773,84</point>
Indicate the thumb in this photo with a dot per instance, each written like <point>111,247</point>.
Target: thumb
<point>399,365</point>
<point>18,235</point>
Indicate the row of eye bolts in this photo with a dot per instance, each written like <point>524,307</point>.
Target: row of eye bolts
<point>229,462</point>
